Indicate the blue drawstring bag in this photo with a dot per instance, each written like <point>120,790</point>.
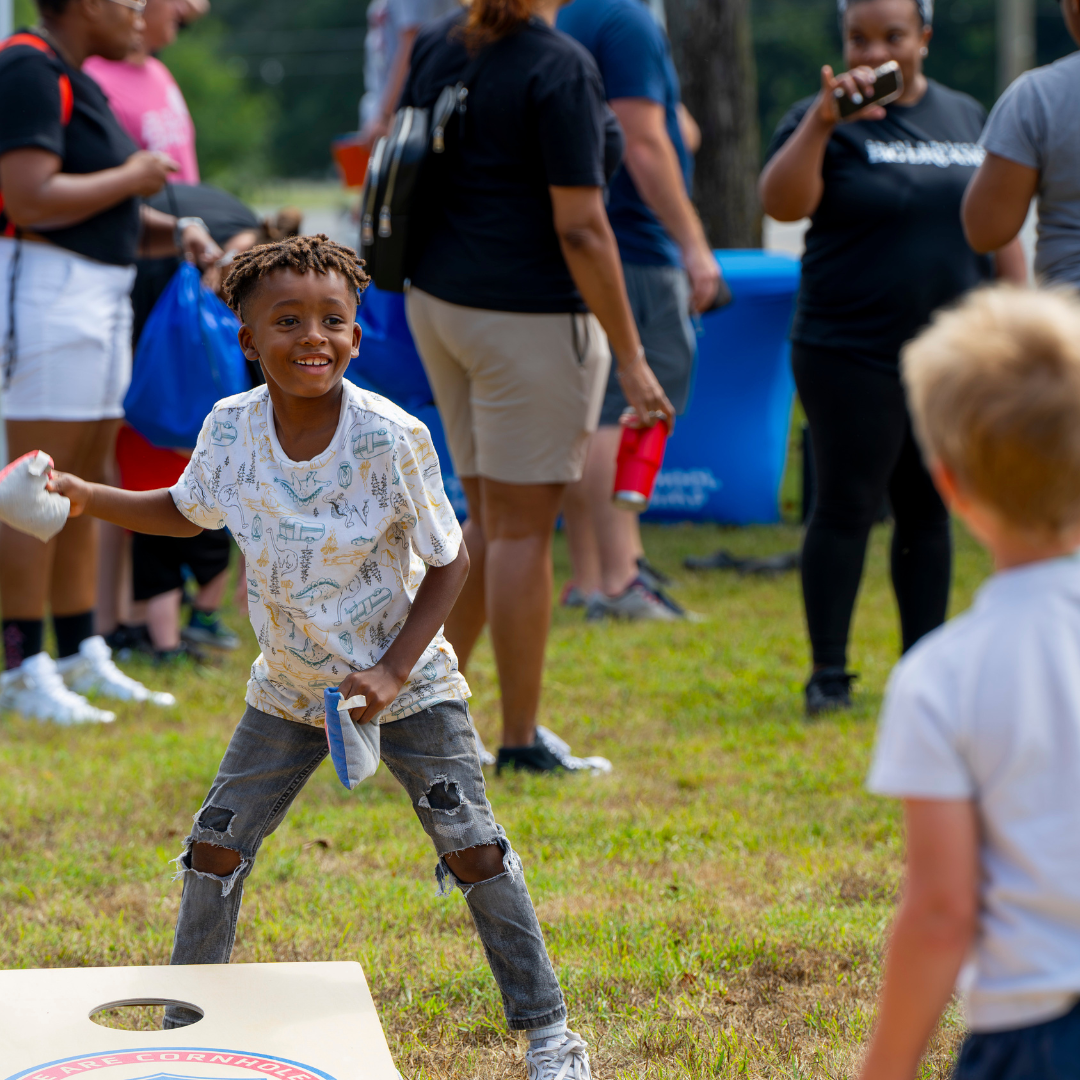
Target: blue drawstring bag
<point>388,362</point>
<point>188,359</point>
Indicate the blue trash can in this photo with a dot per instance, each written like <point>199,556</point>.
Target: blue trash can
<point>726,459</point>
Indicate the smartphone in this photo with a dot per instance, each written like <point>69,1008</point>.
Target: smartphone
<point>889,86</point>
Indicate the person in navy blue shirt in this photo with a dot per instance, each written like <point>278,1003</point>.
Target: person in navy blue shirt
<point>670,272</point>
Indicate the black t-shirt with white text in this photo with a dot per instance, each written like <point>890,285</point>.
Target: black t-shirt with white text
<point>886,247</point>
<point>34,101</point>
<point>536,116</point>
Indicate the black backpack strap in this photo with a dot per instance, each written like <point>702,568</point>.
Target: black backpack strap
<point>468,76</point>
<point>454,99</point>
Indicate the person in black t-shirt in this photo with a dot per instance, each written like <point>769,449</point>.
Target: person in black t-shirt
<point>71,225</point>
<point>885,249</point>
<point>516,251</point>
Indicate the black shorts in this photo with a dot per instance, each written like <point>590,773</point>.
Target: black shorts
<point>157,562</point>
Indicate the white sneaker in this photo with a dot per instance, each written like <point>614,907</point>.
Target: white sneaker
<point>92,671</point>
<point>564,1057</point>
<point>561,749</point>
<point>485,755</point>
<point>36,690</point>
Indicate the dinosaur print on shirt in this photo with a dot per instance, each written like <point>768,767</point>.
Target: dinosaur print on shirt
<point>336,547</point>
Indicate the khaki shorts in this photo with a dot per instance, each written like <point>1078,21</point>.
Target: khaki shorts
<point>518,394</point>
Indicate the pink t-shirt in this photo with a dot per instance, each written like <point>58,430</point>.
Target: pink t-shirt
<point>149,105</point>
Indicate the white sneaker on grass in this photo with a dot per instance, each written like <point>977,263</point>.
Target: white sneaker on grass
<point>565,1057</point>
<point>485,755</point>
<point>92,671</point>
<point>36,690</point>
<point>561,749</point>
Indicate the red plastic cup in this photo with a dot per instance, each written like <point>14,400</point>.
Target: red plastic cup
<point>641,453</point>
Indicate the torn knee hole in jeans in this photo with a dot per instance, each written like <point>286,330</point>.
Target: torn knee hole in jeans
<point>217,819</point>
<point>444,795</point>
<point>445,877</point>
<point>185,864</point>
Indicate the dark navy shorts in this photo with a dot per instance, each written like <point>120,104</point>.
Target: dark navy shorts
<point>1049,1051</point>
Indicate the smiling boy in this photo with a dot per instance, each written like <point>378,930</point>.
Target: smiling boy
<point>354,560</point>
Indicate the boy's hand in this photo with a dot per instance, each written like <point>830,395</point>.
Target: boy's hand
<point>377,685</point>
<point>76,490</point>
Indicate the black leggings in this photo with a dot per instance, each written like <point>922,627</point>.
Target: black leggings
<point>864,447</point>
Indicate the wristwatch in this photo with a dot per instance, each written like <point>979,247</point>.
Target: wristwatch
<point>182,224</point>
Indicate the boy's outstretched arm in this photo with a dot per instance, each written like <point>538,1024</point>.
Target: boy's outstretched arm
<point>152,512</point>
<point>381,683</point>
<point>931,936</point>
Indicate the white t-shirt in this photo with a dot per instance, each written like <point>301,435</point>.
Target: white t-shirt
<point>987,708</point>
<point>336,546</point>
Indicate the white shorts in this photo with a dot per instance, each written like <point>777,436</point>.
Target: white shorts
<point>71,358</point>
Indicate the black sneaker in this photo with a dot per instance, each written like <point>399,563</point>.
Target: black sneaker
<point>536,758</point>
<point>829,690</point>
<point>205,628</point>
<point>126,640</point>
<point>184,653</point>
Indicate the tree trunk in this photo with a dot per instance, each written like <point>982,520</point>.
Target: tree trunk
<point>710,41</point>
<point>1016,39</point>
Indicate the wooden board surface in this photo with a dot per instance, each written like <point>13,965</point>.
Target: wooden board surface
<point>291,1021</point>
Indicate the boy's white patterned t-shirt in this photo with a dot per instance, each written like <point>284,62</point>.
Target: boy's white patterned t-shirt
<point>335,547</point>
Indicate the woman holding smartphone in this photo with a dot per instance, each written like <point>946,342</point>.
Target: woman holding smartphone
<point>885,249</point>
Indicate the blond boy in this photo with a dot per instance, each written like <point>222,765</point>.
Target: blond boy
<point>980,733</point>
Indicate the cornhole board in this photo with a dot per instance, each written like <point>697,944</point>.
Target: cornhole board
<point>288,1021</point>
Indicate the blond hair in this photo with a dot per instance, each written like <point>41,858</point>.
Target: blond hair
<point>994,390</point>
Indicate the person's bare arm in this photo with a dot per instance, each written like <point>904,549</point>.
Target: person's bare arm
<point>1010,263</point>
<point>592,256</point>
<point>37,195</point>
<point>689,129</point>
<point>931,936</point>
<point>190,10</point>
<point>152,512</point>
<point>996,202</point>
<point>158,239</point>
<point>791,186</point>
<point>395,83</point>
<point>381,683</point>
<point>654,167</point>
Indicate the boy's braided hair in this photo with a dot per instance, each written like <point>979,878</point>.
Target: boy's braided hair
<point>300,253</point>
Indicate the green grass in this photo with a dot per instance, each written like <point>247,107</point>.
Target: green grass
<point>715,907</point>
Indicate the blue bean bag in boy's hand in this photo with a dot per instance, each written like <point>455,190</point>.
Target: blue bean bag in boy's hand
<point>188,358</point>
<point>354,748</point>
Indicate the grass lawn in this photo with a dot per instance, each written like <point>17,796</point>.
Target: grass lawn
<point>715,907</point>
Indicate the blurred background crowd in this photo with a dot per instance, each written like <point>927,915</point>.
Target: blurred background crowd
<point>191,122</point>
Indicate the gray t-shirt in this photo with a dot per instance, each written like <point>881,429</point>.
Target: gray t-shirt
<point>987,709</point>
<point>1036,123</point>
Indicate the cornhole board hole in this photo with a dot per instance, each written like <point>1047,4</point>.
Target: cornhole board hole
<point>288,1021</point>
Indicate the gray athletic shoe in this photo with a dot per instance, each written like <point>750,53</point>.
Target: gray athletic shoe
<point>636,603</point>
<point>572,596</point>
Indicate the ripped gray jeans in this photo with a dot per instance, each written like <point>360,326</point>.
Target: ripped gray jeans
<point>432,754</point>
